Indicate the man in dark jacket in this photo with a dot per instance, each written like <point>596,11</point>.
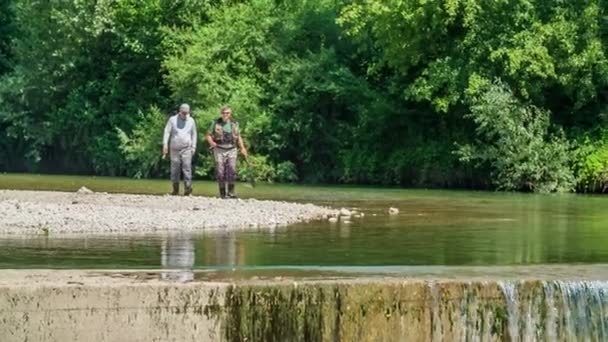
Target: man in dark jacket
<point>224,136</point>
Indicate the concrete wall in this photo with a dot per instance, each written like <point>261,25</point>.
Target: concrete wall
<point>110,313</point>
<point>98,307</point>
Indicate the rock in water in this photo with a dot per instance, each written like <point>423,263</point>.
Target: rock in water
<point>345,212</point>
<point>393,211</point>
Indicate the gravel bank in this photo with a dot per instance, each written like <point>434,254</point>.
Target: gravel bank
<point>36,212</point>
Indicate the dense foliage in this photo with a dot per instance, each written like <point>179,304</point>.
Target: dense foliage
<point>452,93</point>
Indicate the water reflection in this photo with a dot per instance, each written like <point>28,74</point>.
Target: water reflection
<point>345,230</point>
<point>224,249</point>
<point>177,254</point>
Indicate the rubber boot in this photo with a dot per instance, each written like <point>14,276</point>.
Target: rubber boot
<point>222,187</point>
<point>231,193</point>
<point>188,190</point>
<point>175,189</point>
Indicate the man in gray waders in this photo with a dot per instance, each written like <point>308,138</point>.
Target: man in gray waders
<point>179,141</point>
<point>223,136</point>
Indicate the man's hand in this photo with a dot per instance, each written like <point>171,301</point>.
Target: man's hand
<point>244,152</point>
<point>212,144</point>
<point>193,151</point>
<point>165,151</point>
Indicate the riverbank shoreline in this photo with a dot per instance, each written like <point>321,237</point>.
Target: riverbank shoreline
<point>52,212</point>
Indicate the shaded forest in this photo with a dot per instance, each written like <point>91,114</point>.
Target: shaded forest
<point>508,95</point>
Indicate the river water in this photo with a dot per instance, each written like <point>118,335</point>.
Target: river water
<point>432,228</point>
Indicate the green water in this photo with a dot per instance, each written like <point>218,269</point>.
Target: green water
<point>432,228</point>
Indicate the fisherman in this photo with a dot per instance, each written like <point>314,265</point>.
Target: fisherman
<point>179,141</point>
<point>223,136</point>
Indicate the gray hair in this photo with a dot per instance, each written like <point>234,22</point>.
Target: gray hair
<point>184,108</point>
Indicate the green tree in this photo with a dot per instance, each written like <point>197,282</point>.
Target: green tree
<point>7,34</point>
<point>515,141</point>
<point>142,148</point>
<point>591,162</point>
<point>83,71</point>
<point>445,53</point>
<point>531,45</point>
<point>373,91</point>
<point>273,64</point>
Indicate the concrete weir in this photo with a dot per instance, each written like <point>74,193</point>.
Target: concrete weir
<point>157,306</point>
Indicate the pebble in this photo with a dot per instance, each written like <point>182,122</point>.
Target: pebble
<point>345,212</point>
<point>84,190</point>
<point>22,212</point>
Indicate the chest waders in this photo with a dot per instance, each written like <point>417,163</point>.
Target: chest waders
<point>180,138</point>
<point>225,155</point>
<point>181,165</point>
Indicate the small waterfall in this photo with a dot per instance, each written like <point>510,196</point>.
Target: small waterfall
<point>519,311</point>
<point>447,310</point>
<point>510,292</point>
<point>563,310</point>
<point>584,305</point>
<point>551,322</point>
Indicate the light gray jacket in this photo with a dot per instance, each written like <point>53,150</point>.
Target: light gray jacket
<point>180,134</point>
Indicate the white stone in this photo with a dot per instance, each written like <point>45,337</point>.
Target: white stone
<point>345,212</point>
<point>84,190</point>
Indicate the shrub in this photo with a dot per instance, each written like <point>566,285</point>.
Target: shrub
<point>591,163</point>
<point>515,141</point>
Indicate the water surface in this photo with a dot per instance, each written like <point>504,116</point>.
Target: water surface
<point>432,228</point>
